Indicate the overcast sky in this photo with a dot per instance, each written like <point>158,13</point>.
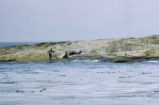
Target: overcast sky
<point>59,20</point>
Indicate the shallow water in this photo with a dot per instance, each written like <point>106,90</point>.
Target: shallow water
<point>79,83</point>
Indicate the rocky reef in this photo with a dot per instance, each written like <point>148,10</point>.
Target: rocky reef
<point>111,50</point>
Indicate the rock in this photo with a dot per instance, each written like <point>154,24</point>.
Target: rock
<point>110,50</point>
<point>19,91</point>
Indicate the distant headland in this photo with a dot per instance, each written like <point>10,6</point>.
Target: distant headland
<point>110,50</point>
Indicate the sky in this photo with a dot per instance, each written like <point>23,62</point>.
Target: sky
<point>63,20</point>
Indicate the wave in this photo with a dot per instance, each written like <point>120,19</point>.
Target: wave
<point>153,61</point>
<point>86,61</point>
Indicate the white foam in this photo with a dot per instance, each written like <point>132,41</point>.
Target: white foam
<point>86,61</point>
<point>154,61</point>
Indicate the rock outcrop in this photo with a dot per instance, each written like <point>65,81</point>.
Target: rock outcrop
<point>111,50</point>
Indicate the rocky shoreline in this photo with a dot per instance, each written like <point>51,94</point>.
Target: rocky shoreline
<point>110,50</point>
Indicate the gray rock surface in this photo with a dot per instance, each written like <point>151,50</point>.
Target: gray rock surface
<point>111,50</point>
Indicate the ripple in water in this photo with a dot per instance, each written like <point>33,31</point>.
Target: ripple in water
<point>79,83</point>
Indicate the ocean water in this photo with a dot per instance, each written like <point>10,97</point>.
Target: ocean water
<point>79,82</point>
<point>2,44</point>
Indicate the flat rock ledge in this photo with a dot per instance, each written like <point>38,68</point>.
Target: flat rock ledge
<point>109,50</point>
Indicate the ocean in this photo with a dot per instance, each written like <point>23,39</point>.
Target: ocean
<point>3,44</point>
<point>79,82</point>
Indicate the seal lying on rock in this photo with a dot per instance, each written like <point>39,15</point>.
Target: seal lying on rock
<point>74,52</point>
<point>64,55</point>
<point>67,54</point>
